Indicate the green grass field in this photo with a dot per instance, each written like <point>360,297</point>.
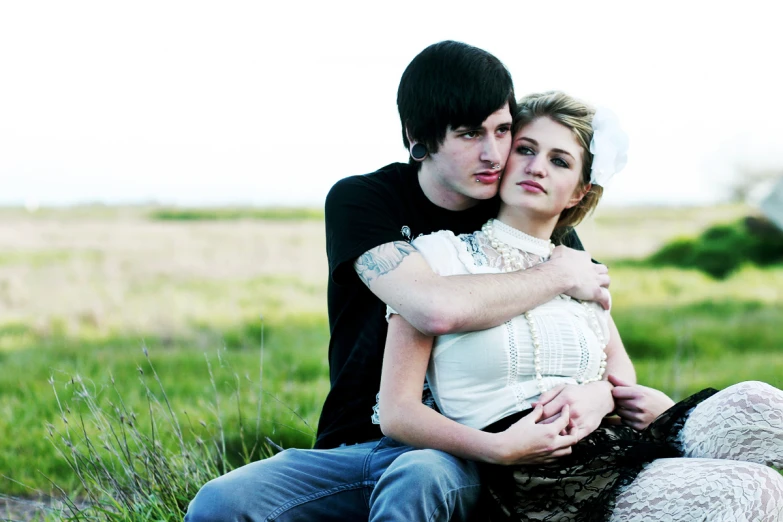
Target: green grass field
<point>82,292</point>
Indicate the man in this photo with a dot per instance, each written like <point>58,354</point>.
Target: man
<point>455,105</point>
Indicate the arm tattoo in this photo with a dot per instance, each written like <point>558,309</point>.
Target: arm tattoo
<point>381,260</point>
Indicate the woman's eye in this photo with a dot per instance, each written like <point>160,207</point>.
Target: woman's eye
<point>525,151</point>
<point>560,162</point>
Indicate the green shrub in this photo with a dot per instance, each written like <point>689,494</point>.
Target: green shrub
<point>722,249</point>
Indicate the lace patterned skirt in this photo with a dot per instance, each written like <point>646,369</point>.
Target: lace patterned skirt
<point>582,487</point>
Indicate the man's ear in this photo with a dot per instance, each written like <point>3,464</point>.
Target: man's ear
<point>578,195</point>
<point>411,141</point>
<point>418,151</point>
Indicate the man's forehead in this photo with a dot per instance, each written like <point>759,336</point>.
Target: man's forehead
<point>502,116</point>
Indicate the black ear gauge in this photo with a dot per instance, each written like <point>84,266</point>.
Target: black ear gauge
<point>418,152</point>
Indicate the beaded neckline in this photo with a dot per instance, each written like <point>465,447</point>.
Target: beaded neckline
<point>521,241</point>
<point>501,238</point>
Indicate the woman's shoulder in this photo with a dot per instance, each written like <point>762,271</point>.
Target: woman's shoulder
<point>439,250</point>
<point>473,245</point>
<point>466,250</point>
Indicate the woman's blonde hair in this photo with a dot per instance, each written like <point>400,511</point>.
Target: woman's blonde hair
<point>577,116</point>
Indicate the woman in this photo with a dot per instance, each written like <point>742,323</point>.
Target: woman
<point>516,382</point>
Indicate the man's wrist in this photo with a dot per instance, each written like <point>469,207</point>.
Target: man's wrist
<point>561,280</point>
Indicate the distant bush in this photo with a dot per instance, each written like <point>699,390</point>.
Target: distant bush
<point>221,214</point>
<point>721,249</point>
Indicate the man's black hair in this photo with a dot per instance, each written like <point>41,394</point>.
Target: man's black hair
<point>450,84</point>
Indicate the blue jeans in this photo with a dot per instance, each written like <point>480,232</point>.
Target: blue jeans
<point>376,481</point>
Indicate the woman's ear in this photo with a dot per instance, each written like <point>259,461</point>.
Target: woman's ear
<point>578,195</point>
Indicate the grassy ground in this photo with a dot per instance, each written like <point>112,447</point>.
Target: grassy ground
<point>82,291</point>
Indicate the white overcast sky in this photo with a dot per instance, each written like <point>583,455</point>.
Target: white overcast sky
<point>272,102</point>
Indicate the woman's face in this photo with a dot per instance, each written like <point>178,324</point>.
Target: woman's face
<point>543,169</point>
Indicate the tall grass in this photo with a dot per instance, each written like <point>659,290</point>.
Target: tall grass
<point>134,465</point>
<point>295,378</point>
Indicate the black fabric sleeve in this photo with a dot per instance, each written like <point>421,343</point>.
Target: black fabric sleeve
<point>359,216</point>
<point>568,238</point>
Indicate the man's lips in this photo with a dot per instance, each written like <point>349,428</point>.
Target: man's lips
<point>531,186</point>
<point>488,176</point>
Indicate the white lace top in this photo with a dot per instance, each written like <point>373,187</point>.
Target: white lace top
<point>480,377</point>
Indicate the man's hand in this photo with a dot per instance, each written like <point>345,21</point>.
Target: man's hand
<point>588,403</point>
<point>637,405</point>
<point>529,441</point>
<point>590,280</point>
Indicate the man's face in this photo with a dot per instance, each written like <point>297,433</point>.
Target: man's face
<point>461,173</point>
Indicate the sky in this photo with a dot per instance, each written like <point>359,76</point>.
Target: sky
<point>270,103</point>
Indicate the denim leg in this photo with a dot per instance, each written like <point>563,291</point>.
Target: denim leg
<point>426,485</point>
<point>298,485</point>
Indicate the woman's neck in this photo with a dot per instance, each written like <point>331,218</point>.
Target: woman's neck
<point>531,225</point>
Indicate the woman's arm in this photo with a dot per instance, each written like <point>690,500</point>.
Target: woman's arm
<point>404,417</point>
<point>618,363</point>
<point>636,405</point>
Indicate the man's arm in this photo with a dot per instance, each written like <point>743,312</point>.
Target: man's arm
<point>436,305</point>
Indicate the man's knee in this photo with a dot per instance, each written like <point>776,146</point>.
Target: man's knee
<point>246,493</point>
<point>216,501</point>
<point>435,468</point>
<point>292,485</point>
<point>435,486</point>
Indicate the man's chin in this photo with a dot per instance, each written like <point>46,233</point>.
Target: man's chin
<point>484,191</point>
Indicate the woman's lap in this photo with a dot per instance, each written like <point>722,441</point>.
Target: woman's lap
<point>742,423</point>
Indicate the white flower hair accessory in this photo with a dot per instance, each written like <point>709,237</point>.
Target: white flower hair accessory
<point>609,147</point>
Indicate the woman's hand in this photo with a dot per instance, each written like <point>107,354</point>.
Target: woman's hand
<point>528,441</point>
<point>589,404</point>
<point>637,405</point>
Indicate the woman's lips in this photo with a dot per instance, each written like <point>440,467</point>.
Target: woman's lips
<point>532,186</point>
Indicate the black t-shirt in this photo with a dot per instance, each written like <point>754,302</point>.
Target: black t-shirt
<point>363,212</point>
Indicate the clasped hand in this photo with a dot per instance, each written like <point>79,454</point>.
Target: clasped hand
<point>588,403</point>
<point>637,405</point>
<point>529,441</point>
<point>561,417</point>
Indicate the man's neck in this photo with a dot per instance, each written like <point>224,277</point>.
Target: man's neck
<point>442,196</point>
